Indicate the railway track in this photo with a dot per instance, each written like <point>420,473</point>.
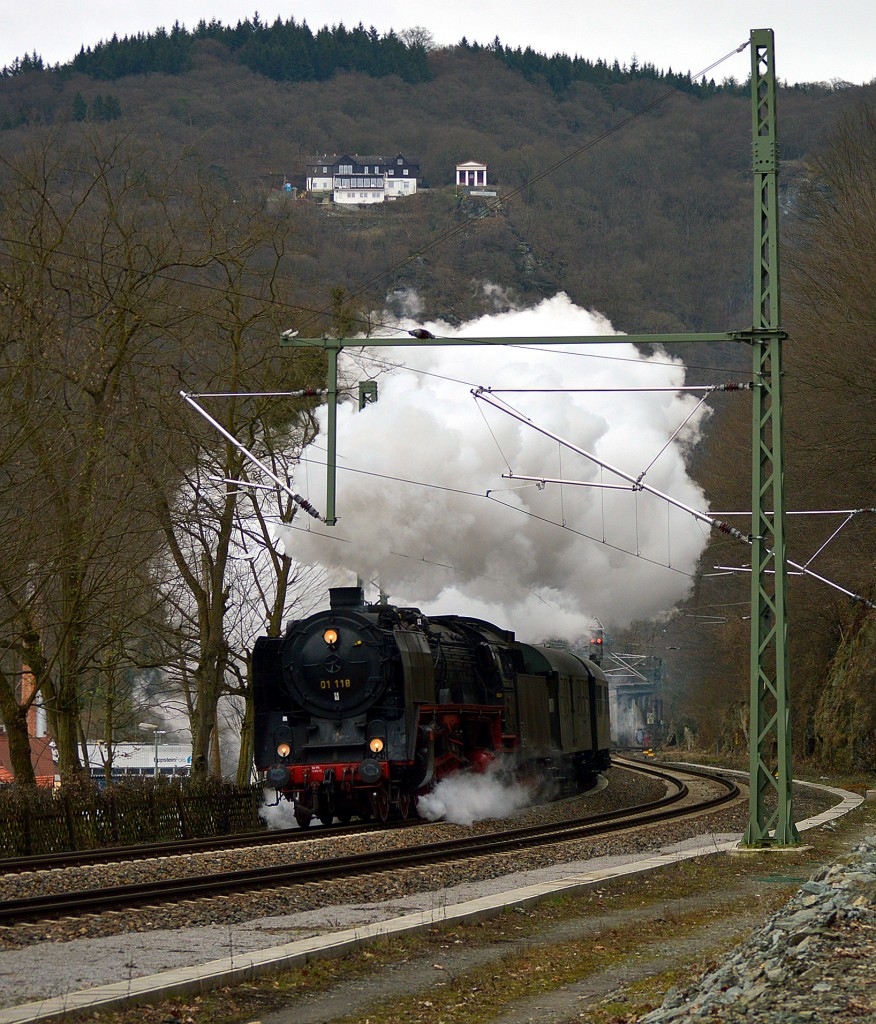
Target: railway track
<point>675,804</point>
<point>179,847</point>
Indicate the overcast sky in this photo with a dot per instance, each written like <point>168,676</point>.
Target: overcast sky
<point>816,40</point>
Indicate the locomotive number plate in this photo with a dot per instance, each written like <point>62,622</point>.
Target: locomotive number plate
<point>334,684</point>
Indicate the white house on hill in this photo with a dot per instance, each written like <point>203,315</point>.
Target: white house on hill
<point>358,180</point>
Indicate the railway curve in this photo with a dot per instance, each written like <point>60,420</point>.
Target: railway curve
<point>676,803</point>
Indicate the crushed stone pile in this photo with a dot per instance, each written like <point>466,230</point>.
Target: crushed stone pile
<point>813,960</point>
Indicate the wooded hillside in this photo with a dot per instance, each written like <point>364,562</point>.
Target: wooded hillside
<point>651,226</point>
<point>152,168</point>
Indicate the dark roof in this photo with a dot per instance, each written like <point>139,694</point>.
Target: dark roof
<point>362,161</point>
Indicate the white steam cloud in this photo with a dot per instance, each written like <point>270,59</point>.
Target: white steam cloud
<point>465,798</point>
<point>424,511</point>
<point>277,816</point>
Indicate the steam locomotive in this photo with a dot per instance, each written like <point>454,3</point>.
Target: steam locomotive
<point>360,708</point>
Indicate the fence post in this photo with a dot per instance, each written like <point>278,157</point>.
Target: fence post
<point>183,817</point>
<point>26,830</point>
<point>113,816</point>
<point>153,813</point>
<point>68,815</point>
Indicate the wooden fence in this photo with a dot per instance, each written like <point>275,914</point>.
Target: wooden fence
<point>143,812</point>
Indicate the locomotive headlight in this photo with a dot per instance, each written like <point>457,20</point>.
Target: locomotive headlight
<point>375,737</point>
<point>330,636</point>
<point>283,750</point>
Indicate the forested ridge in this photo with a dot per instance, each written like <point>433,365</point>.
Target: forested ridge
<point>674,181</point>
<point>291,51</point>
<point>146,245</point>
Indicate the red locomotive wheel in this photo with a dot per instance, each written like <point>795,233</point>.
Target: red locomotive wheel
<point>380,804</point>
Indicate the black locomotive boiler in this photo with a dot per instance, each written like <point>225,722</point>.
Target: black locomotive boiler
<point>360,708</point>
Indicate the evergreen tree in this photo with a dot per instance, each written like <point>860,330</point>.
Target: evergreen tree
<point>21,65</point>
<point>80,107</point>
<point>112,108</point>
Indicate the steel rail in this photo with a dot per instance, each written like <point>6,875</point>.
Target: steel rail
<point>204,844</point>
<point>284,875</point>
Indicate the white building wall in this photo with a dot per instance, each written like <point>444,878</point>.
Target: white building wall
<point>400,187</point>
<point>320,183</point>
<point>345,187</point>
<point>358,196</point>
<point>140,757</point>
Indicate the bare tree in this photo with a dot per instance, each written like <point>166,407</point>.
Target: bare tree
<point>832,425</point>
<point>272,581</point>
<point>123,280</point>
<point>69,334</point>
<point>236,351</point>
<point>418,36</point>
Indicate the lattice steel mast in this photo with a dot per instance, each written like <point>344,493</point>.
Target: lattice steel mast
<point>770,738</point>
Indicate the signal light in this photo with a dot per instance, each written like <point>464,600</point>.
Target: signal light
<point>283,750</point>
<point>376,745</point>
<point>330,636</point>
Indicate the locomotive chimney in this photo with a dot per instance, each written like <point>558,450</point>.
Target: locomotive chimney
<point>346,597</point>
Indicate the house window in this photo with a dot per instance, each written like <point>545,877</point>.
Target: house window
<point>345,169</point>
<point>405,171</point>
<point>399,161</point>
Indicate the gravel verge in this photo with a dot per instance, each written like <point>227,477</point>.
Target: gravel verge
<point>623,789</point>
<point>811,961</point>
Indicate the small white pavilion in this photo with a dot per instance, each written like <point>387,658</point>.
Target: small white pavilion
<point>471,174</point>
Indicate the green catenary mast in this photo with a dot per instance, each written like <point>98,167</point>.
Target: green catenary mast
<point>770,738</point>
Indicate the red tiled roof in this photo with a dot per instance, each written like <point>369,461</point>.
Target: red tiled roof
<point>40,756</point>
